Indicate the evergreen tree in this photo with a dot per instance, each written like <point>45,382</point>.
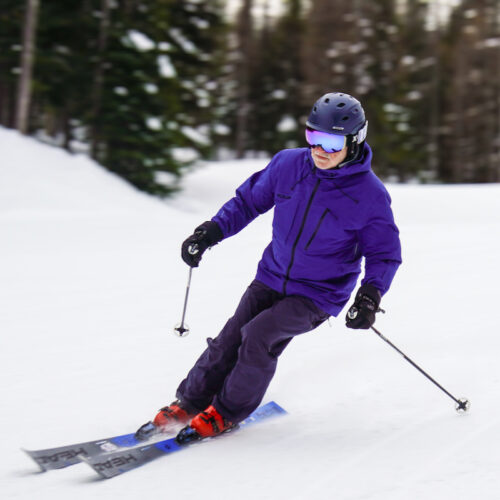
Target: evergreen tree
<point>411,108</point>
<point>471,125</point>
<point>129,132</point>
<point>277,81</point>
<point>63,69</point>
<point>130,81</point>
<point>354,48</point>
<point>244,65</point>
<point>156,96</point>
<point>378,52</point>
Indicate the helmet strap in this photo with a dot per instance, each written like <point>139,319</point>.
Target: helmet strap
<point>354,151</point>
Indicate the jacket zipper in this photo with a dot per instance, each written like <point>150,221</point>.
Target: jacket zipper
<point>355,250</point>
<point>323,215</point>
<point>309,203</point>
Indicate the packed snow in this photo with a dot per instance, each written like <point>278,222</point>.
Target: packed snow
<point>92,284</point>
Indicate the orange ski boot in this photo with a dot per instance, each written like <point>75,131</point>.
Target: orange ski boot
<point>165,420</point>
<point>175,412</point>
<point>208,423</point>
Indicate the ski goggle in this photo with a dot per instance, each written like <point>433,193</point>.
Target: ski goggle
<point>331,143</point>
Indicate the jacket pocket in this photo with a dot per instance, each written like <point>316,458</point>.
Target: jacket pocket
<point>329,234</point>
<point>318,226</point>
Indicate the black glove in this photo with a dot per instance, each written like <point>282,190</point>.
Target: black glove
<point>361,315</point>
<point>204,236</point>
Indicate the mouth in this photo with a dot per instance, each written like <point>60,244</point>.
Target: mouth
<point>321,156</point>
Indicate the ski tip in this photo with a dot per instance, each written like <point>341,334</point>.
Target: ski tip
<point>277,407</point>
<point>30,454</point>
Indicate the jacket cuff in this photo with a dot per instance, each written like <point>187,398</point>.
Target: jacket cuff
<point>372,292</point>
<point>213,232</point>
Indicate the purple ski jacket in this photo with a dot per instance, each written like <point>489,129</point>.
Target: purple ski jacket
<point>325,222</point>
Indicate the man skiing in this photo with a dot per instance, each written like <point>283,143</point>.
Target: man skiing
<point>330,211</point>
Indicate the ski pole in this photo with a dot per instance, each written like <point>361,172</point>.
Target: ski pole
<point>462,404</point>
<point>182,330</point>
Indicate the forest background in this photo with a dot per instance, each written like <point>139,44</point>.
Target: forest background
<point>148,87</point>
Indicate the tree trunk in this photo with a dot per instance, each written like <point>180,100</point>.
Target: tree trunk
<point>6,118</point>
<point>99,77</point>
<point>27,59</point>
<point>244,33</point>
<point>435,86</point>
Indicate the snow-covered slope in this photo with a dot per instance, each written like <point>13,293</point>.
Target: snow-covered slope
<point>92,283</point>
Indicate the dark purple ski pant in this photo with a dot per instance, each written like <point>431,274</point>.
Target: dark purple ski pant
<point>233,373</point>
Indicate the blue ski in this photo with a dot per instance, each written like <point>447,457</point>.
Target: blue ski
<point>117,462</point>
<point>64,456</point>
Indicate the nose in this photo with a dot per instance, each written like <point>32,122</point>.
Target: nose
<point>319,150</point>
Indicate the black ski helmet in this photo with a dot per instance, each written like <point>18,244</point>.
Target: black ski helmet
<point>342,114</point>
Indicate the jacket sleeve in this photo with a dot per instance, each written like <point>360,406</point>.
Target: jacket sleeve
<point>380,245</point>
<point>254,197</point>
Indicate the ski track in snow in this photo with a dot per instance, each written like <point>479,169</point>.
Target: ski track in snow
<point>92,284</point>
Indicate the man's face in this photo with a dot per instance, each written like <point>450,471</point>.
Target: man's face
<point>324,160</point>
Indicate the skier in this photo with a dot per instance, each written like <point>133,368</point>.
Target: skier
<point>330,211</point>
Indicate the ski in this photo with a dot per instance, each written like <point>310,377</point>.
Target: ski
<point>64,456</point>
<point>117,462</point>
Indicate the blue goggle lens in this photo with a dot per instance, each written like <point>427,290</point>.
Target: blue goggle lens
<point>331,143</point>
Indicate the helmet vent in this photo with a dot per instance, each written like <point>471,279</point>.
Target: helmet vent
<point>315,108</point>
<point>327,100</point>
<point>344,118</point>
<point>340,104</point>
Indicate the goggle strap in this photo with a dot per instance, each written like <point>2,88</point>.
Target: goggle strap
<point>361,135</point>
